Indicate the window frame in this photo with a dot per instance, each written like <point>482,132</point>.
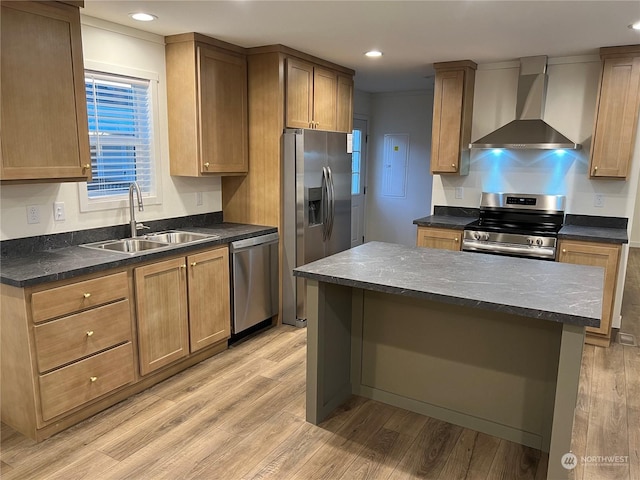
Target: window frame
<point>122,201</point>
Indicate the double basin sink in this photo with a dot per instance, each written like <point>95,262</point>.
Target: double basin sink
<point>150,242</point>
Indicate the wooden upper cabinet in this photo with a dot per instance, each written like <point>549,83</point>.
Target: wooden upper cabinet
<point>207,106</point>
<point>452,110</point>
<point>317,97</point>
<point>44,110</point>
<point>345,104</point>
<point>299,101</point>
<point>616,112</point>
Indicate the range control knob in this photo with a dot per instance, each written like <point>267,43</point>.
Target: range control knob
<point>539,242</point>
<point>530,241</point>
<point>485,237</point>
<point>476,235</point>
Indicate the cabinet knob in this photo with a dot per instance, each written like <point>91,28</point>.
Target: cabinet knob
<point>89,333</point>
<point>456,240</point>
<point>206,165</point>
<point>564,250</point>
<point>193,264</point>
<point>453,165</point>
<point>183,266</point>
<point>86,295</point>
<point>86,166</point>
<point>93,379</point>
<point>595,170</point>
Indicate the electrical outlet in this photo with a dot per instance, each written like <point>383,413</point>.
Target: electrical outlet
<point>199,200</point>
<point>33,214</point>
<point>459,192</point>
<point>58,212</point>
<point>598,200</point>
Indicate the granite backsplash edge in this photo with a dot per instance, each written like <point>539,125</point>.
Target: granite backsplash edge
<point>27,245</point>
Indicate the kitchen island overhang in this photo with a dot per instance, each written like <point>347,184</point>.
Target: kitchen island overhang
<point>486,342</point>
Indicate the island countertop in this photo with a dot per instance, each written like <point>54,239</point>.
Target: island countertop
<point>551,291</point>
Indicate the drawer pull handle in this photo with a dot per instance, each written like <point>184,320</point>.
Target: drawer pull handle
<point>86,295</point>
<point>193,264</point>
<point>89,333</point>
<point>93,379</point>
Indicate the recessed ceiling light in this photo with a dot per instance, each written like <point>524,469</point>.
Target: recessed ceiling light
<point>143,17</point>
<point>635,26</point>
<point>373,53</point>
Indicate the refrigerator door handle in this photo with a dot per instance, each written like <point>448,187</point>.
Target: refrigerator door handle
<point>332,202</point>
<point>325,204</point>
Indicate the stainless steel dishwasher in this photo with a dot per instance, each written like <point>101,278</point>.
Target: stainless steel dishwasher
<point>254,271</point>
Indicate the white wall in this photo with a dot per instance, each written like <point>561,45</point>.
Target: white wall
<point>570,108</point>
<point>109,43</point>
<point>389,219</point>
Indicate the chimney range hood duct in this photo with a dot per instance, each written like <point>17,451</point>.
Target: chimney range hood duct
<point>528,130</point>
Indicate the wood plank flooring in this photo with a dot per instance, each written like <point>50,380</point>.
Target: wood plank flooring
<point>240,415</point>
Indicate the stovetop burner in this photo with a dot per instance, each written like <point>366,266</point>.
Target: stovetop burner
<point>522,225</point>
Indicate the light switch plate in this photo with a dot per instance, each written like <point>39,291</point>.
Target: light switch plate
<point>459,192</point>
<point>58,212</point>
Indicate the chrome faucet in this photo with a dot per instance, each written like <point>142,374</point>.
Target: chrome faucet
<point>132,214</point>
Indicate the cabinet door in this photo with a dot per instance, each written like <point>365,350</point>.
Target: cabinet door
<point>345,104</point>
<point>447,121</point>
<point>598,255</point>
<point>209,298</point>
<point>442,238</point>
<point>325,90</point>
<point>44,111</point>
<point>161,300</point>
<point>616,117</point>
<point>222,112</point>
<point>299,98</point>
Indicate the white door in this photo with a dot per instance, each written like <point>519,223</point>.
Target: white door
<point>358,180</point>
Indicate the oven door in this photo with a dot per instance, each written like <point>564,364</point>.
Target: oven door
<point>509,244</point>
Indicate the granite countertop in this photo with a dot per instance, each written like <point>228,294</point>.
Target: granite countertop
<point>455,218</point>
<point>558,292</point>
<point>71,261</point>
<point>593,228</point>
<point>445,221</point>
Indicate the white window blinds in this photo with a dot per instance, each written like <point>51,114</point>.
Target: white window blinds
<point>120,134</point>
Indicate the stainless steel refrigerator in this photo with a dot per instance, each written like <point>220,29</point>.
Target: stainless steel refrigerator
<point>317,208</point>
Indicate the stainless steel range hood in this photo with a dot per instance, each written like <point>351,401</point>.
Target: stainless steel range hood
<point>528,130</point>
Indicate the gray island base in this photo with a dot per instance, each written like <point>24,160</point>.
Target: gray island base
<point>489,343</point>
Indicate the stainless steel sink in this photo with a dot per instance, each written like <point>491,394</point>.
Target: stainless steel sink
<point>127,245</point>
<point>150,242</point>
<point>176,236</point>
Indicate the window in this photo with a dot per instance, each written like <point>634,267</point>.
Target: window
<point>120,110</point>
<point>355,162</point>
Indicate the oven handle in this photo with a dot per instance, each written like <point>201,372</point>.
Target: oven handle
<point>470,245</point>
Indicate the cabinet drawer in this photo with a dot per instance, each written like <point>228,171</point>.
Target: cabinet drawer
<point>67,299</point>
<point>78,383</point>
<point>70,338</point>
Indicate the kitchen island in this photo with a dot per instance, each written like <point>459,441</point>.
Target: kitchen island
<point>487,342</point>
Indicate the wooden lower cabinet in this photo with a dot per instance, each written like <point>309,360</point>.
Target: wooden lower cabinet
<point>161,300</point>
<point>604,255</point>
<point>183,305</point>
<point>209,298</point>
<point>69,349</point>
<point>442,238</point>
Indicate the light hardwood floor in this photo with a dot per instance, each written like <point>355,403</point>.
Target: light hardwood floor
<point>240,415</point>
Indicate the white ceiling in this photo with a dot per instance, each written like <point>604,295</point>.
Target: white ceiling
<point>412,34</point>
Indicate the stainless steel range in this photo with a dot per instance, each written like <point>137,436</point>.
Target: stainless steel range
<point>519,225</point>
